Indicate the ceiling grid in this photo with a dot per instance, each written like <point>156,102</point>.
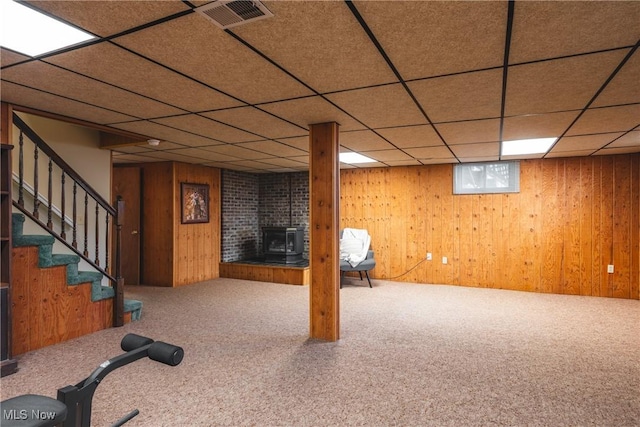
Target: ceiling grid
<point>410,82</point>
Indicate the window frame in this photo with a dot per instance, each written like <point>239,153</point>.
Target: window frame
<point>513,177</point>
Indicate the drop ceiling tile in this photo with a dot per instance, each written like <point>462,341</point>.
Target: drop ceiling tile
<point>273,148</point>
<point>625,86</point>
<point>109,63</point>
<point>631,139</point>
<point>380,107</point>
<point>260,123</point>
<point>118,15</point>
<point>212,56</point>
<point>301,159</point>
<point>363,140</point>
<point>74,86</point>
<point>607,119</point>
<point>9,57</point>
<point>310,110</point>
<point>131,149</point>
<point>426,154</point>
<point>165,133</point>
<point>387,155</point>
<point>239,152</point>
<point>300,142</point>
<point>171,156</point>
<point>252,164</point>
<point>544,29</point>
<point>577,153</point>
<point>460,97</point>
<point>470,131</point>
<point>584,142</point>
<point>410,162</point>
<point>479,150</point>
<point>426,39</point>
<point>411,136</point>
<point>43,101</point>
<point>537,125</point>
<point>207,128</point>
<point>329,51</point>
<point>439,161</point>
<point>288,163</point>
<point>479,159</point>
<point>558,85</point>
<point>202,154</point>
<point>616,150</point>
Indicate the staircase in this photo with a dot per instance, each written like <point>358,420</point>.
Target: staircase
<point>70,302</point>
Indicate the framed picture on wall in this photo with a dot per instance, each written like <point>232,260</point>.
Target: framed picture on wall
<point>194,202</point>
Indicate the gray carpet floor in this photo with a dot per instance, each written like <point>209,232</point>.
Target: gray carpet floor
<point>409,355</point>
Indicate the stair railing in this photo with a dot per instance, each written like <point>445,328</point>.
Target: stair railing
<point>96,214</point>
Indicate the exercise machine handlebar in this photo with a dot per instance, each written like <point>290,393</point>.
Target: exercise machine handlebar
<point>79,398</point>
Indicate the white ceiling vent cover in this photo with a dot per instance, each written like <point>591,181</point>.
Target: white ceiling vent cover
<point>231,13</point>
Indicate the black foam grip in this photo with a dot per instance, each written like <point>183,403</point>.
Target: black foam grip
<point>166,353</point>
<point>133,341</point>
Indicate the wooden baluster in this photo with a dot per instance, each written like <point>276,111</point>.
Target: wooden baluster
<point>118,303</point>
<point>97,260</point>
<point>74,243</point>
<point>21,170</point>
<point>63,234</point>
<point>106,243</point>
<point>36,202</point>
<point>86,223</point>
<point>50,196</point>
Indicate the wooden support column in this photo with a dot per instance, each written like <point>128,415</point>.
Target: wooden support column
<point>324,204</point>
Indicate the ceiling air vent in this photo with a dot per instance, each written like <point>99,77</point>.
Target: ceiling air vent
<point>230,13</point>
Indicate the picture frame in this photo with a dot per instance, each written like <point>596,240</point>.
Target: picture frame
<point>194,203</point>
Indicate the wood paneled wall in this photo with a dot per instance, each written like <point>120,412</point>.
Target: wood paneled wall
<point>571,219</point>
<point>173,253</point>
<point>196,246</point>
<point>45,310</point>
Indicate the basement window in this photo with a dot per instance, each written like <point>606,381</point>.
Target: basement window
<point>486,178</point>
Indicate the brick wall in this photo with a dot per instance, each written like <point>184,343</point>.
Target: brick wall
<point>240,229</point>
<point>253,201</point>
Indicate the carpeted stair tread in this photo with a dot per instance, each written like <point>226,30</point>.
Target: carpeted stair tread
<point>63,259</point>
<point>133,306</point>
<point>17,224</point>
<point>84,277</point>
<point>74,277</point>
<point>32,240</point>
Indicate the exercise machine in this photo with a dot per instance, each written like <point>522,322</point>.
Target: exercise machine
<point>72,408</point>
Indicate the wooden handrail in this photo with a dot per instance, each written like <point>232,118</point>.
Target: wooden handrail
<point>71,173</point>
<point>40,146</point>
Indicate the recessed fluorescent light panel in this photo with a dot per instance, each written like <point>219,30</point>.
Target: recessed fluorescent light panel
<point>353,158</point>
<point>30,32</point>
<point>527,146</point>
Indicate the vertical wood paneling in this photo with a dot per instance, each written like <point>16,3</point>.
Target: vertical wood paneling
<point>176,254</point>
<point>606,220</point>
<point>570,220</point>
<point>196,246</point>
<point>46,310</point>
<point>552,226</point>
<point>324,224</point>
<point>586,226</point>
<point>622,227</point>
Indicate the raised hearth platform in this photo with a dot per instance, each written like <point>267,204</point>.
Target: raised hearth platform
<point>261,271</point>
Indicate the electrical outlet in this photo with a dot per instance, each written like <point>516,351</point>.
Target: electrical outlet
<point>610,268</point>
<point>444,260</point>
<point>429,256</point>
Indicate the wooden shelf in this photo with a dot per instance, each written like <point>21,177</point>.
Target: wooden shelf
<point>7,364</point>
